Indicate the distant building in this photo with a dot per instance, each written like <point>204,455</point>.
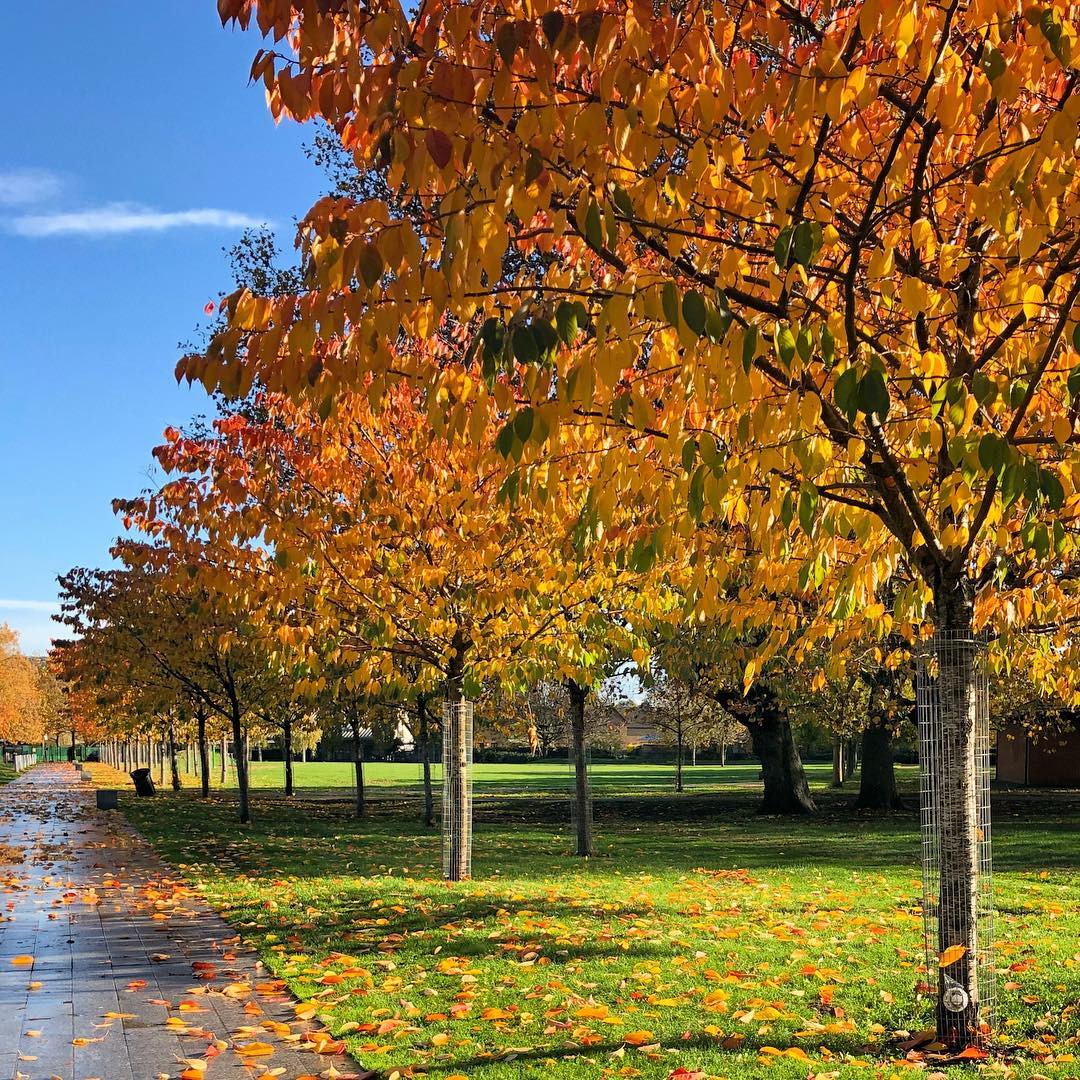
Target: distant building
<point>1038,760</point>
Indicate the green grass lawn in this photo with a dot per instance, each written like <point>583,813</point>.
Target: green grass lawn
<point>608,778</point>
<point>717,940</point>
<point>7,773</point>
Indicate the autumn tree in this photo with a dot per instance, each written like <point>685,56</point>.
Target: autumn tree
<point>411,567</point>
<point>826,259</point>
<point>682,711</point>
<point>21,701</point>
<point>168,617</point>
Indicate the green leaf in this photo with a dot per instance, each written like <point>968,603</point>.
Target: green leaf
<point>806,242</point>
<point>570,317</point>
<point>984,388</point>
<point>938,400</point>
<point>1051,489</point>
<point>804,343</point>
<point>594,227</point>
<point>693,312</point>
<point>533,167</point>
<point>707,448</point>
<point>874,395</point>
<point>504,441</point>
<point>808,507</point>
<point>670,300</point>
<point>523,423</point>
<point>717,321</point>
<point>696,498</point>
<point>787,510</point>
<point>622,202</point>
<point>784,341</point>
<point>782,247</point>
<point>526,349</point>
<point>828,345</point>
<point>749,347</point>
<point>846,393</point>
<point>993,453</point>
<point>1073,383</point>
<point>991,62</point>
<point>689,454</point>
<point>546,338</point>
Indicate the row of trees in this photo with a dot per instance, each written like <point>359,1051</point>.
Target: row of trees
<point>739,337</point>
<point>34,703</point>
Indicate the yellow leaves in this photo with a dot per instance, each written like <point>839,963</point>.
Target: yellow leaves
<point>254,1049</point>
<point>1034,298</point>
<point>951,955</point>
<point>1063,430</point>
<point>810,411</point>
<point>23,960</point>
<point>922,237</point>
<point>791,1052</point>
<point>638,1038</point>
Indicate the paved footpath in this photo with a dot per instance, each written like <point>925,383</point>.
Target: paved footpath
<point>111,969</point>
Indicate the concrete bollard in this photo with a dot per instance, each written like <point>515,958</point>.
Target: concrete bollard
<point>106,798</point>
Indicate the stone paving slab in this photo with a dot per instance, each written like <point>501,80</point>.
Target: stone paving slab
<point>98,939</point>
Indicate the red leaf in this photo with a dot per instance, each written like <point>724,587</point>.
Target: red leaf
<point>439,147</point>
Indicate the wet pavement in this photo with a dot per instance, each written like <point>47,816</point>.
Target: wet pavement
<point>112,969</point>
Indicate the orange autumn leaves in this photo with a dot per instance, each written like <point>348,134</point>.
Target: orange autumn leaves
<point>838,321</point>
<point>371,559</point>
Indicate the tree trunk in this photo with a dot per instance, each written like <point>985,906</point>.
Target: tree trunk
<point>838,763</point>
<point>286,753</point>
<point>457,820</point>
<point>678,759</point>
<point>173,769</point>
<point>161,763</point>
<point>582,796</point>
<point>225,760</point>
<point>358,765</point>
<point>786,789</point>
<point>204,753</point>
<point>723,752</point>
<point>424,733</point>
<point>956,694</point>
<point>241,767</point>
<point>877,781</point>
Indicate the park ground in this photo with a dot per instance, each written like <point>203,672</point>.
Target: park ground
<point>701,938</point>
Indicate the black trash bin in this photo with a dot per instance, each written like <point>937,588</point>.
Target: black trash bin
<point>144,784</point>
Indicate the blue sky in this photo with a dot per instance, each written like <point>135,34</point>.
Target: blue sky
<point>134,150</point>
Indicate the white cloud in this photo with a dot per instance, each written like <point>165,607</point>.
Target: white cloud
<point>116,219</point>
<point>23,187</point>
<point>28,605</point>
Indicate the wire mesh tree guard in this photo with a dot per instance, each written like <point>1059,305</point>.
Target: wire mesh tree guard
<point>953,705</point>
<point>457,789</point>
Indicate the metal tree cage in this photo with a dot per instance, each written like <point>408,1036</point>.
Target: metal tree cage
<point>457,744</point>
<point>953,705</point>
